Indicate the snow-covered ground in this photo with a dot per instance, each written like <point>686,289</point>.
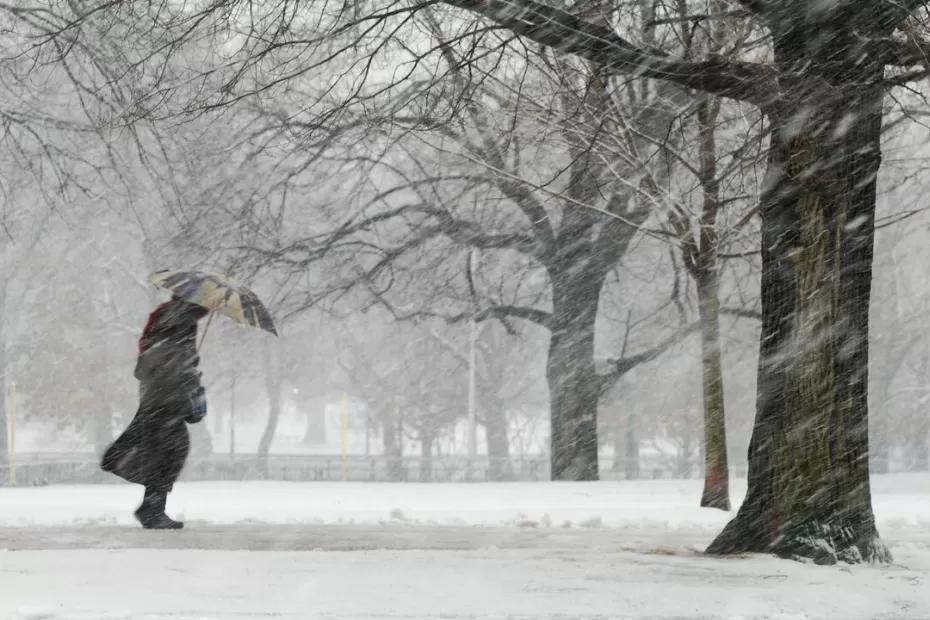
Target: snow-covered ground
<point>430,551</point>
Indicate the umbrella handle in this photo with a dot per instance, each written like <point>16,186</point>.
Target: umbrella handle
<point>205,328</point>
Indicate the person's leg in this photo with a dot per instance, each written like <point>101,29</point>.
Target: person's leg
<point>151,513</point>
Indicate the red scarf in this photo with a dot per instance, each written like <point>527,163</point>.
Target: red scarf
<point>149,326</point>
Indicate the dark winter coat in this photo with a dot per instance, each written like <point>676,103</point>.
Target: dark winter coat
<point>152,450</point>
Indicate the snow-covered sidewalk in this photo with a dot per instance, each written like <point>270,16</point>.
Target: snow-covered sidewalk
<point>899,500</point>
<point>391,551</point>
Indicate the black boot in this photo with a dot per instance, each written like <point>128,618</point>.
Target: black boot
<point>151,514</point>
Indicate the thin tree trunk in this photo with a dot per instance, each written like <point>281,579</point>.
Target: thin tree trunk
<point>705,271</point>
<point>217,423</point>
<point>684,464</point>
<point>879,452</point>
<point>700,258</point>
<point>631,452</point>
<point>574,387</point>
<point>617,439</point>
<point>809,492</point>
<point>273,385</point>
<point>315,432</point>
<point>201,441</point>
<point>392,448</point>
<point>103,415</point>
<point>495,428</point>
<point>426,457</point>
<point>716,492</point>
<point>232,416</point>
<point>918,449</point>
<point>4,379</point>
<point>919,453</point>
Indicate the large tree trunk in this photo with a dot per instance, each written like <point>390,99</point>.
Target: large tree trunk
<point>809,492</point>
<point>574,386</point>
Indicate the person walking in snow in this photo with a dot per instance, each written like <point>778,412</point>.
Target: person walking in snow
<point>153,448</point>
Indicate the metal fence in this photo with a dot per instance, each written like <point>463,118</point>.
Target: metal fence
<point>36,469</point>
<point>50,468</point>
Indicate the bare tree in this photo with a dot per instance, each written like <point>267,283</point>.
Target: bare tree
<point>603,191</point>
<point>506,380</point>
<point>701,241</point>
<point>408,384</point>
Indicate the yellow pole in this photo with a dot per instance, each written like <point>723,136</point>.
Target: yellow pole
<point>13,434</point>
<point>344,419</point>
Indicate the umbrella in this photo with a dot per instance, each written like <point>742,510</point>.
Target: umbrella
<point>217,294</point>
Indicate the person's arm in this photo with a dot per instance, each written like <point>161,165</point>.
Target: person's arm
<point>169,371</point>
<point>191,379</point>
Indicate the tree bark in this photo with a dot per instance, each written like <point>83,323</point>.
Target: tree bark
<point>574,387</point>
<point>809,493</point>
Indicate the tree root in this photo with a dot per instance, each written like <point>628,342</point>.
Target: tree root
<point>816,542</point>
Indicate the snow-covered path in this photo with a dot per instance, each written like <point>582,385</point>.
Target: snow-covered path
<point>431,552</point>
<point>398,537</point>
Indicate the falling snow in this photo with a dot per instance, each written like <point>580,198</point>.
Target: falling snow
<point>506,309</point>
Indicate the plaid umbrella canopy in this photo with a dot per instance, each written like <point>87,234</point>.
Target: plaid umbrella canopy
<point>217,294</point>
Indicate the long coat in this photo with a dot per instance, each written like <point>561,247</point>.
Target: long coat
<point>153,448</point>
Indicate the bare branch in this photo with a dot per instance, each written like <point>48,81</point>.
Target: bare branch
<point>742,313</point>
<point>623,365</point>
<point>540,317</point>
<point>750,82</point>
